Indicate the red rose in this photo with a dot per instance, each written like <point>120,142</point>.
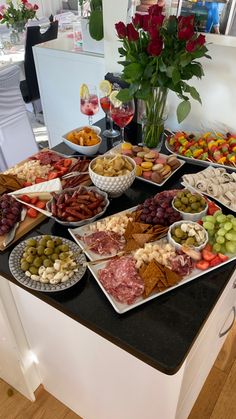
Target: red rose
<point>121,30</point>
<point>185,21</point>
<point>186,33</point>
<point>155,10</point>
<point>132,34</point>
<point>138,20</point>
<point>155,47</point>
<point>191,46</point>
<point>24,1</point>
<point>146,22</point>
<point>157,20</point>
<point>36,7</point>
<point>201,39</point>
<point>1,17</point>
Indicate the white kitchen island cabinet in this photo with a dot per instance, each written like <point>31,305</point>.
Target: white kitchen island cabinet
<point>60,72</point>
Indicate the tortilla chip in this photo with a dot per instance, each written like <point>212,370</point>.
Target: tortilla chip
<point>142,238</point>
<point>128,230</point>
<point>131,245</point>
<point>172,277</point>
<point>151,277</point>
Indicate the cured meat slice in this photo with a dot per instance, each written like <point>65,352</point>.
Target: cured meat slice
<point>121,279</point>
<point>104,242</point>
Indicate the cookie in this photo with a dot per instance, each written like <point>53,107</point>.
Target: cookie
<point>156,177</point>
<point>147,175</point>
<point>146,165</point>
<point>157,167</point>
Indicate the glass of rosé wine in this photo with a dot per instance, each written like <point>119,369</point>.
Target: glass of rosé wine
<point>105,89</point>
<point>122,114</point>
<point>89,101</point>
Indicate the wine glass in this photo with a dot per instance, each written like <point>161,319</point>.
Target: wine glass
<point>105,89</point>
<point>122,114</point>
<point>89,101</point>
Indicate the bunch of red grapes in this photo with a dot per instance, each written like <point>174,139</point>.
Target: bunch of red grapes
<point>159,210</point>
<point>10,213</point>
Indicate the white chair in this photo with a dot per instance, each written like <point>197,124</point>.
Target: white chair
<point>17,140</point>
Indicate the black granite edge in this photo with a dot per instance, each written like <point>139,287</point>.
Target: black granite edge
<point>68,306</point>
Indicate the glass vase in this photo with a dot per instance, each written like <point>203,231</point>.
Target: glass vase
<point>17,32</point>
<point>154,118</point>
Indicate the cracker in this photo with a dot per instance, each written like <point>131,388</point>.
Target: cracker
<point>142,238</point>
<point>151,277</point>
<point>172,277</point>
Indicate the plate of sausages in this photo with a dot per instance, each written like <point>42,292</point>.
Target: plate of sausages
<point>74,207</point>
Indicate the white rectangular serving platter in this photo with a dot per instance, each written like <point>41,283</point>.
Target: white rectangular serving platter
<point>121,308</point>
<point>116,149</point>
<point>198,161</point>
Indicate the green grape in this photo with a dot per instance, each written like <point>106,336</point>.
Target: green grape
<point>223,249</point>
<point>220,239</point>
<point>218,212</point>
<point>208,226</point>
<point>221,232</point>
<point>210,218</point>
<point>228,226</point>
<point>216,247</point>
<point>230,217</point>
<point>230,247</point>
<point>221,218</point>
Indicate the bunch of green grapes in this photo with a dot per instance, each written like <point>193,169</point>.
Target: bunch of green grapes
<point>42,252</point>
<point>221,229</point>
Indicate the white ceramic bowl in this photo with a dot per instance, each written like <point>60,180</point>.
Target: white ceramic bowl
<point>87,220</point>
<point>86,150</point>
<point>189,216</point>
<point>115,186</point>
<point>178,246</point>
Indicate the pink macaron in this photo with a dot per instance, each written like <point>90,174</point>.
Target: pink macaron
<point>147,174</point>
<point>127,152</point>
<point>138,160</point>
<point>161,160</point>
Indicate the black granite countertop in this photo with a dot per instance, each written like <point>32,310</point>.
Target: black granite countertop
<point>160,332</point>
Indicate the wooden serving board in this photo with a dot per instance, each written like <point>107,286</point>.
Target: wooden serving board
<point>24,227</point>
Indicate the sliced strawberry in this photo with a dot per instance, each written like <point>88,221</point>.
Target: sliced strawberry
<point>52,175</point>
<point>25,198</point>
<point>40,204</point>
<point>40,179</point>
<point>34,200</point>
<point>207,255</point>
<point>216,261</point>
<point>32,213</point>
<point>25,184</point>
<point>223,257</point>
<point>202,265</point>
<point>208,247</point>
<point>67,162</point>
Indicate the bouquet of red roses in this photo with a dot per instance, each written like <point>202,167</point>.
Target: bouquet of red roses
<point>161,52</point>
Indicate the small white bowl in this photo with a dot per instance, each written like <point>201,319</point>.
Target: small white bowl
<point>178,246</point>
<point>115,186</point>
<point>189,216</point>
<point>86,150</point>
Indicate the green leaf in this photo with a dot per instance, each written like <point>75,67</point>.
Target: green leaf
<point>133,88</point>
<point>197,70</point>
<point>148,72</point>
<point>185,59</point>
<point>124,95</point>
<point>162,65</point>
<point>122,51</point>
<point>176,76</point>
<point>194,93</point>
<point>133,71</point>
<point>169,71</point>
<point>183,110</point>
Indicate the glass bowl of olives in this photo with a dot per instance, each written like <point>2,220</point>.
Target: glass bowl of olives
<point>192,206</point>
<point>187,233</point>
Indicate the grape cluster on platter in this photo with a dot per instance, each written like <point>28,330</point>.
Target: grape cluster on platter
<point>10,213</point>
<point>159,209</point>
<point>221,230</point>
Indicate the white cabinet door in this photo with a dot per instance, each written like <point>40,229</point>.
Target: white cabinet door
<point>17,364</point>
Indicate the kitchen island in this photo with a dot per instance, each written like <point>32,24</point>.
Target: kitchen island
<point>150,362</point>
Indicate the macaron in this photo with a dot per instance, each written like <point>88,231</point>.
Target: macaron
<point>166,170</point>
<point>172,160</point>
<point>146,165</point>
<point>138,171</point>
<point>126,146</point>
<point>141,154</point>
<point>157,167</point>
<point>137,149</point>
<point>156,177</point>
<point>175,166</point>
<point>161,160</point>
<point>150,156</point>
<point>147,175</point>
<point>138,160</point>
<point>127,152</point>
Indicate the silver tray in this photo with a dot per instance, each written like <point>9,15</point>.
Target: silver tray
<point>20,276</point>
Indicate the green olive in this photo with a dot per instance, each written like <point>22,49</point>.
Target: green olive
<point>31,242</point>
<point>24,266</point>
<point>47,263</point>
<point>30,258</point>
<point>37,262</point>
<point>64,247</point>
<point>40,250</point>
<point>58,241</point>
<point>48,251</point>
<point>33,270</point>
<point>31,251</point>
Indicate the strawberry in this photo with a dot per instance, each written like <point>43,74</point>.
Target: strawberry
<point>40,179</point>
<point>207,255</point>
<point>40,204</point>
<point>25,198</point>
<point>32,213</point>
<point>202,265</point>
<point>25,184</point>
<point>208,247</point>
<point>52,175</point>
<point>34,200</point>
<point>222,257</point>
<point>216,261</point>
<point>67,162</point>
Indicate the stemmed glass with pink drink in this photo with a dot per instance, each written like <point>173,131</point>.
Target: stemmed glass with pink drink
<point>105,89</point>
<point>122,113</point>
<point>89,104</point>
